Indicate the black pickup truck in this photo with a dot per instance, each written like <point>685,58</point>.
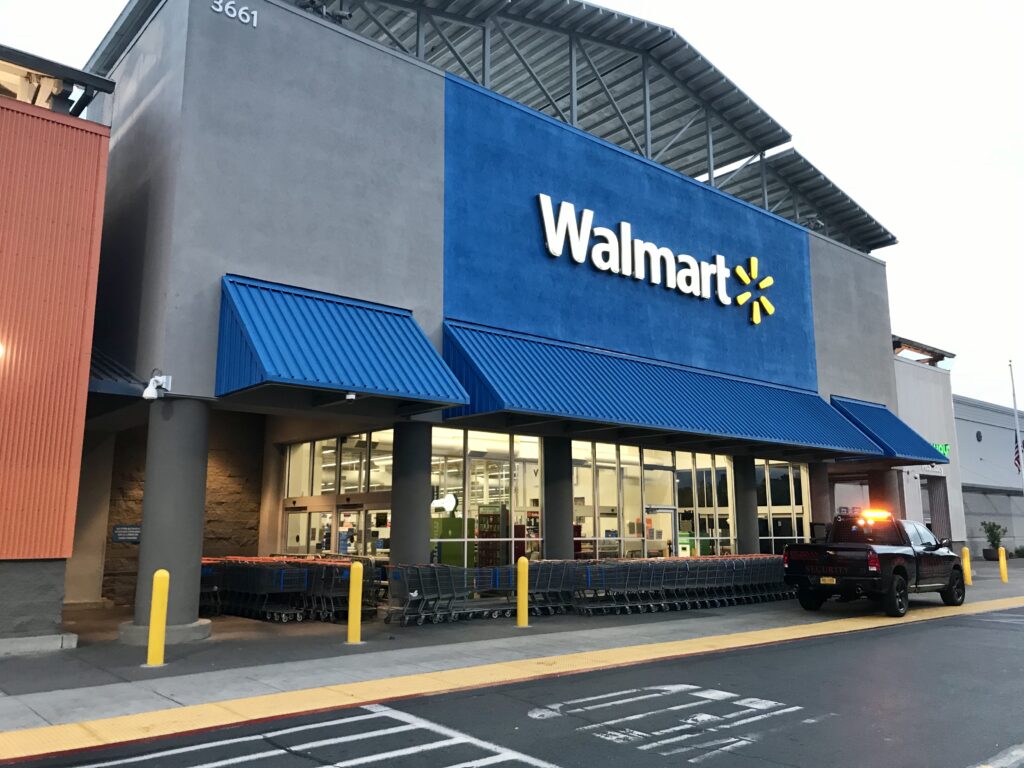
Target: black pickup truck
<point>872,555</point>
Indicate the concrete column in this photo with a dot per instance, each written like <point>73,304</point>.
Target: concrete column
<point>411,493</point>
<point>271,494</point>
<point>745,493</point>
<point>884,491</point>
<point>822,505</point>
<point>556,454</point>
<point>173,512</point>
<point>83,579</point>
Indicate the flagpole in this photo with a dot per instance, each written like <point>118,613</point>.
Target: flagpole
<point>1016,426</point>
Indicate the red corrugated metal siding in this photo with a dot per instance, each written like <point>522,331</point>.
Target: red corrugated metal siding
<point>53,173</point>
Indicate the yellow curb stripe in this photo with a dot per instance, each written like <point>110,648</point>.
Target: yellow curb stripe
<point>147,725</point>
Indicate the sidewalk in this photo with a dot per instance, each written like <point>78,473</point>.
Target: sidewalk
<point>103,679</point>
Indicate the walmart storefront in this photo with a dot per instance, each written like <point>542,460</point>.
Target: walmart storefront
<point>455,328</point>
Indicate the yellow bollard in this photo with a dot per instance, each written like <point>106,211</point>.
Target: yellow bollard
<point>158,618</point>
<point>522,592</point>
<point>355,603</point>
<point>1002,565</point>
<point>965,561</point>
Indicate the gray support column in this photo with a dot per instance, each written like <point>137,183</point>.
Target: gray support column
<point>271,494</point>
<point>822,505</point>
<point>556,453</point>
<point>83,579</point>
<point>411,493</point>
<point>884,491</point>
<point>173,513</point>
<point>747,540</point>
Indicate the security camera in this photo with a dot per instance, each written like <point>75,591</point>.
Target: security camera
<point>157,382</point>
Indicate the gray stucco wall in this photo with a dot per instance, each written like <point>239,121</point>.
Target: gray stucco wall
<point>31,598</point>
<point>142,186</point>
<point>307,156</point>
<point>853,336</point>
<point>926,404</point>
<point>992,485</point>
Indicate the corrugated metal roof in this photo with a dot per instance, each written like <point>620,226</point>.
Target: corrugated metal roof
<point>108,377</point>
<point>272,333</point>
<point>800,192</point>
<point>893,436</point>
<point>511,372</point>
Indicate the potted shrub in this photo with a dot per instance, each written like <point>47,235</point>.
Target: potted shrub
<point>994,532</point>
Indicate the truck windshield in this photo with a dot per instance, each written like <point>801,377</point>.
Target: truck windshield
<point>849,531</point>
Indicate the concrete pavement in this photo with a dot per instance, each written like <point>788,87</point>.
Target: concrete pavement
<point>54,694</point>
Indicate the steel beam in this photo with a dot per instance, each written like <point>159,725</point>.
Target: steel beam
<point>486,56</point>
<point>530,70</point>
<point>678,134</point>
<point>764,184</point>
<point>611,98</point>
<point>710,142</point>
<point>648,149</point>
<point>454,50</point>
<point>384,28</point>
<point>574,107</point>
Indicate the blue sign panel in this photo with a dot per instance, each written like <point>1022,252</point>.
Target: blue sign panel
<point>553,232</point>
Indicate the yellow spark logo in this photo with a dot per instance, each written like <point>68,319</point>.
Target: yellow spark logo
<point>748,276</point>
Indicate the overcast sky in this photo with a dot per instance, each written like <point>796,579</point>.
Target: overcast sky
<point>914,109</point>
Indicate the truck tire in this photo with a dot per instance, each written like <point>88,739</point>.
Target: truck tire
<point>897,600</point>
<point>810,600</point>
<point>955,593</point>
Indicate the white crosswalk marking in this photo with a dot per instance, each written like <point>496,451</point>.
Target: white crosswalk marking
<point>393,722</point>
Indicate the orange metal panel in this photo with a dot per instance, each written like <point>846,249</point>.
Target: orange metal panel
<point>53,171</point>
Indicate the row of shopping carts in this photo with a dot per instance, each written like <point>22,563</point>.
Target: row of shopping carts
<point>443,593</point>
<point>282,589</point>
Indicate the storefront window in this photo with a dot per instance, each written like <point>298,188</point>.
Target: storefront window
<point>352,475</point>
<point>659,504</point>
<point>325,467</point>
<point>298,471</point>
<point>490,497</point>
<point>381,447</point>
<point>632,501</point>
<point>782,515</point>
<point>686,532</point>
<point>723,504</point>
<point>607,472</point>
<point>583,525</point>
<point>448,464</point>
<point>526,489</point>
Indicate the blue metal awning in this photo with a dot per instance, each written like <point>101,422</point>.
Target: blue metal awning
<point>278,334</point>
<point>892,435</point>
<point>505,371</point>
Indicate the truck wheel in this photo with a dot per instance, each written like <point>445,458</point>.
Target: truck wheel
<point>955,593</point>
<point>897,600</point>
<point>810,600</point>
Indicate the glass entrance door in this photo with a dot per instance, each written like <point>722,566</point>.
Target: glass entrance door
<point>296,540</point>
<point>658,529</point>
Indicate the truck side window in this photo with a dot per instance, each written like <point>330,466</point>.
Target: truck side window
<point>927,536</point>
<point>913,533</point>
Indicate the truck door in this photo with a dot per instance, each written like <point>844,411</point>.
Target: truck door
<point>935,561</point>
<point>914,534</point>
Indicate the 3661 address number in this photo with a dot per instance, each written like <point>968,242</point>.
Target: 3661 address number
<point>245,14</point>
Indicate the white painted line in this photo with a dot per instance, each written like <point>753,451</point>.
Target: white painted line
<point>757,703</point>
<point>673,740</point>
<point>324,724</point>
<point>690,722</point>
<point>1008,758</point>
<point>598,698</point>
<point>354,737</point>
<point>714,695</point>
<point>465,738</point>
<point>176,751</point>
<point>393,753</point>
<point>642,715</point>
<point>765,716</point>
<point>615,703</point>
<point>482,761</point>
<point>736,744</point>
<point>242,759</point>
<point>228,742</point>
<point>555,710</point>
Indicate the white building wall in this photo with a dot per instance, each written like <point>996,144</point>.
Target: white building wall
<point>925,402</point>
